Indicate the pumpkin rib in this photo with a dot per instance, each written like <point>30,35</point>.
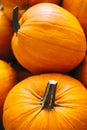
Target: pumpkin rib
<point>67,119</point>
<point>24,115</point>
<point>25,95</point>
<point>80,9</point>
<point>7,81</point>
<point>6,33</point>
<point>37,56</point>
<point>59,45</point>
<point>34,63</point>
<point>40,23</point>
<point>34,118</point>
<point>15,15</point>
<point>63,117</point>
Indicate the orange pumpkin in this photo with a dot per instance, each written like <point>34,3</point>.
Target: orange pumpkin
<point>62,105</point>
<point>23,5</point>
<point>49,39</point>
<point>79,9</point>
<point>81,71</point>
<point>7,81</point>
<point>6,32</point>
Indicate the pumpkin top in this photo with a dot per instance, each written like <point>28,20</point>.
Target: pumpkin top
<point>24,101</point>
<point>48,13</point>
<point>79,9</point>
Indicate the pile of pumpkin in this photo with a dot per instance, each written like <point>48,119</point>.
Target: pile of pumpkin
<point>43,65</point>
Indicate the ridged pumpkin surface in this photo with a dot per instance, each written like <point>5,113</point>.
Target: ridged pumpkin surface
<point>6,33</point>
<point>79,9</point>
<point>50,39</point>
<point>23,106</point>
<point>7,81</point>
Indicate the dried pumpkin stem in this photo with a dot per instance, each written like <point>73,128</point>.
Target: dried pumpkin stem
<point>49,96</point>
<point>1,7</point>
<point>16,25</point>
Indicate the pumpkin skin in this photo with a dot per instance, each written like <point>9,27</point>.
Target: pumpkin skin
<point>6,33</point>
<point>23,5</point>
<point>7,81</point>
<point>26,112</point>
<point>81,71</point>
<point>79,9</point>
<point>49,39</point>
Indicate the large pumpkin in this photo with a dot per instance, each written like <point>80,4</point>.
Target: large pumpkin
<point>81,71</point>
<point>79,9</point>
<point>22,4</point>
<point>7,81</point>
<point>62,105</point>
<point>6,32</point>
<point>50,39</point>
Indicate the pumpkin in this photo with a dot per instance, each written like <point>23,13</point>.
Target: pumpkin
<point>81,71</point>
<point>7,81</point>
<point>46,101</point>
<point>6,32</point>
<point>48,39</point>
<point>79,9</point>
<point>23,5</point>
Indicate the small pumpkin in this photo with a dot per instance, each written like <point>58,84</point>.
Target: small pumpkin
<point>79,9</point>
<point>7,81</point>
<point>23,5</point>
<point>6,32</point>
<point>81,71</point>
<point>47,101</point>
<point>48,39</point>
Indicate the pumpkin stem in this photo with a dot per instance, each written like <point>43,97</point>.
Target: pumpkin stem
<point>1,7</point>
<point>49,97</point>
<point>16,25</point>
